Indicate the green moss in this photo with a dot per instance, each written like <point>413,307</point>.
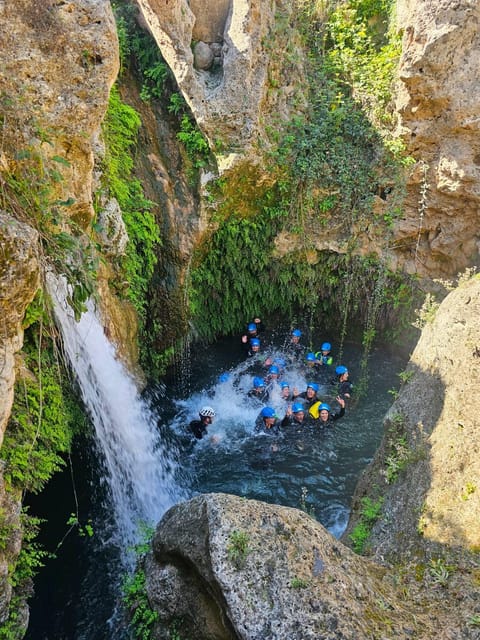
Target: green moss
<point>325,167</point>
<point>120,129</point>
<point>44,419</point>
<point>369,514</point>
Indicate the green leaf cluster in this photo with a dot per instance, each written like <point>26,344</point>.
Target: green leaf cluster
<point>30,188</point>
<point>369,514</point>
<point>194,142</point>
<point>237,548</point>
<point>139,46</point>
<point>136,600</point>
<point>30,559</point>
<point>44,419</point>
<point>120,129</point>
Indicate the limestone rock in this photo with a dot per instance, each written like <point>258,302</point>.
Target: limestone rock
<point>210,19</point>
<point>19,280</point>
<point>202,56</point>
<point>58,61</point>
<point>434,504</point>
<point>113,232</point>
<point>228,101</point>
<point>439,106</point>
<point>232,568</point>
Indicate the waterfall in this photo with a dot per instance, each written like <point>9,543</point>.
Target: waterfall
<point>139,471</point>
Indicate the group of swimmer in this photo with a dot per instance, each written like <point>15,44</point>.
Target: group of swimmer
<point>303,408</point>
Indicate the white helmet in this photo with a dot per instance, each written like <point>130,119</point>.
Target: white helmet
<point>207,412</point>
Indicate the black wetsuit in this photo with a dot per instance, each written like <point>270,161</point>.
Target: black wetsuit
<point>289,421</point>
<point>332,416</point>
<point>294,351</point>
<point>261,427</point>
<point>261,395</point>
<point>345,387</point>
<point>198,428</point>
<point>307,402</point>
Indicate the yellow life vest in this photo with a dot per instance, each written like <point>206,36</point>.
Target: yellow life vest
<point>313,411</point>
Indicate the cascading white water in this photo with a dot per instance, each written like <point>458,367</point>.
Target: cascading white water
<point>139,470</point>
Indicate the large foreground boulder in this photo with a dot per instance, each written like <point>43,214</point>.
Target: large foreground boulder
<point>224,568</point>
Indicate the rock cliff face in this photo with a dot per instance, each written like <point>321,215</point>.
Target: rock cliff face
<point>230,568</point>
<point>433,502</point>
<point>58,61</point>
<point>230,94</point>
<point>439,107</point>
<point>19,280</point>
<point>229,97</point>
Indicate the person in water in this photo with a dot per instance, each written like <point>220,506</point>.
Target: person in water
<point>259,390</point>
<point>253,347</point>
<point>296,416</point>
<point>254,328</point>
<point>344,386</point>
<point>293,348</point>
<point>199,427</point>
<point>267,421</point>
<point>285,393</point>
<point>309,396</point>
<point>324,416</point>
<point>324,356</point>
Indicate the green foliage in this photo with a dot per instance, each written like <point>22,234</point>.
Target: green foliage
<point>140,46</point>
<point>474,621</point>
<point>35,310</point>
<point>120,129</point>
<point>30,191</point>
<point>44,419</point>
<point>83,529</point>
<point>176,104</point>
<point>438,572</point>
<point>470,488</point>
<point>364,52</point>
<point>406,376</point>
<point>369,514</point>
<point>399,453</point>
<point>194,142</point>
<point>238,549</point>
<point>426,314</point>
<point>298,583</point>
<point>30,559</point>
<point>236,274</point>
<point>134,592</point>
<point>136,600</point>
<point>326,167</point>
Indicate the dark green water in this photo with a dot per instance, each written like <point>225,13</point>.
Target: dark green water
<point>78,593</point>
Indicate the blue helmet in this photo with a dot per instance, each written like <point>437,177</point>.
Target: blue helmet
<point>326,346</point>
<point>274,369</point>
<point>313,385</point>
<point>310,357</point>
<point>280,362</point>
<point>258,382</point>
<point>297,407</point>
<point>268,412</point>
<point>284,385</point>
<point>297,333</point>
<point>254,342</point>
<point>252,326</point>
<point>340,370</point>
<point>324,407</point>
<point>224,377</point>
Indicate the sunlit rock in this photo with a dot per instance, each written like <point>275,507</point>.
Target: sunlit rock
<point>229,568</point>
<point>438,102</point>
